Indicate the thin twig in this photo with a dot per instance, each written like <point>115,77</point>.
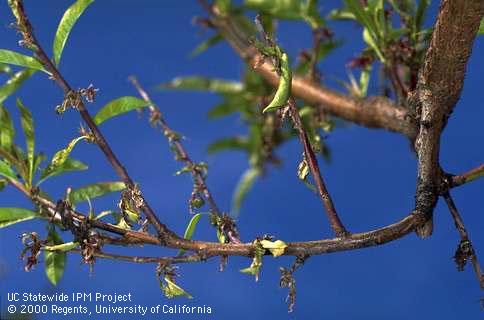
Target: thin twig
<point>459,224</point>
<point>180,150</point>
<point>197,174</point>
<point>469,176</point>
<point>142,259</point>
<point>310,157</point>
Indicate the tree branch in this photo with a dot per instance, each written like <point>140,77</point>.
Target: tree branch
<point>440,83</point>
<point>312,162</point>
<point>142,259</point>
<point>469,176</point>
<point>466,244</point>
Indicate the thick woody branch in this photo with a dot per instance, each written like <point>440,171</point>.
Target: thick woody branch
<point>211,249</point>
<point>439,87</point>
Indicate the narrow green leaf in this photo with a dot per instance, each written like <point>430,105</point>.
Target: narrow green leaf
<point>119,106</point>
<point>203,84</point>
<point>341,14</point>
<point>226,144</point>
<point>68,166</point>
<point>65,26</point>
<point>9,216</point>
<point>284,88</point>
<point>192,225</point>
<point>370,40</point>
<point>223,6</point>
<point>255,266</point>
<point>94,191</point>
<point>5,68</point>
<point>62,155</point>
<point>54,261</point>
<point>6,171</point>
<point>15,159</point>
<point>243,186</point>
<point>7,132</point>
<point>202,47</point>
<point>362,16</point>
<point>28,128</point>
<point>18,59</point>
<point>282,9</point>
<point>62,247</point>
<point>14,83</point>
<point>38,159</point>
<point>311,15</point>
<point>365,81</point>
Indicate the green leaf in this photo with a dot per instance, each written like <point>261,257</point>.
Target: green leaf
<point>54,261</point>
<point>203,84</point>
<point>38,159</point>
<point>9,216</point>
<point>365,80</point>
<point>15,158</point>
<point>171,290</point>
<point>6,171</point>
<point>311,14</point>
<point>225,144</point>
<point>223,6</point>
<point>282,9</point>
<point>5,68</point>
<point>65,26</point>
<point>28,128</point>
<point>62,247</point>
<point>94,191</point>
<point>284,88</point>
<point>68,166</point>
<point>363,17</point>
<point>190,229</point>
<point>119,106</point>
<point>7,132</point>
<point>370,40</point>
<point>255,266</point>
<point>276,248</point>
<point>18,59</point>
<point>61,156</point>
<point>14,83</point>
<point>243,186</point>
<point>202,47</point>
<point>341,14</point>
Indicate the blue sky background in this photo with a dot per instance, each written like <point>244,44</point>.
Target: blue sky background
<point>371,178</point>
